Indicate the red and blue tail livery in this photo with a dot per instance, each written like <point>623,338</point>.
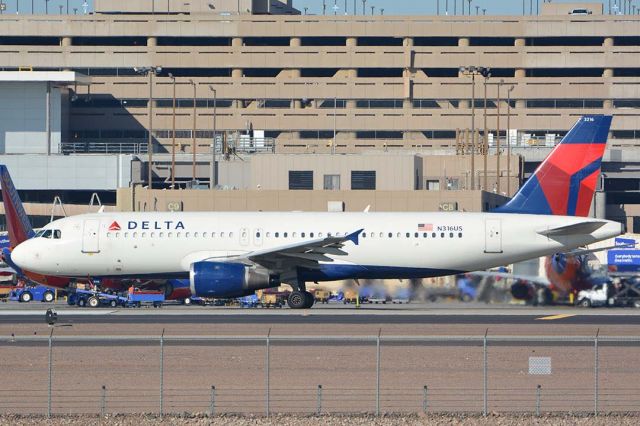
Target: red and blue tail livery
<point>18,224</point>
<point>565,182</point>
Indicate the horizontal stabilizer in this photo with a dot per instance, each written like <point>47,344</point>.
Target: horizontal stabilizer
<point>574,229</point>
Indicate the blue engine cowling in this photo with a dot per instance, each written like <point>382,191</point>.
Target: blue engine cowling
<point>223,280</point>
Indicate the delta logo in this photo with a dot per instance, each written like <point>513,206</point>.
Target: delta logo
<point>114,227</point>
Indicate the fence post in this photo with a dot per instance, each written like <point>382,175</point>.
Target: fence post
<point>378,373</point>
<point>49,388</point>
<point>268,372</point>
<point>485,391</point>
<point>212,403</point>
<point>162,373</point>
<point>596,374</point>
<point>103,402</point>
<point>538,395</point>
<point>319,404</point>
<point>425,401</point>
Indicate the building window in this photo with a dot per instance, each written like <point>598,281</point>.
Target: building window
<point>300,179</point>
<point>363,179</point>
<point>332,182</point>
<point>433,185</point>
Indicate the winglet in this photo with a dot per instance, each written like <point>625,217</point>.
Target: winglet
<point>6,255</point>
<point>355,237</point>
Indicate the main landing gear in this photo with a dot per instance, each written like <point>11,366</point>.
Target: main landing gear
<point>300,298</point>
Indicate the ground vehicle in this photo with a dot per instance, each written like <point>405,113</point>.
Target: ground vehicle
<point>93,299</point>
<point>322,296</point>
<point>38,293</point>
<point>137,298</point>
<point>270,300</point>
<point>580,12</point>
<point>351,296</point>
<point>620,293</point>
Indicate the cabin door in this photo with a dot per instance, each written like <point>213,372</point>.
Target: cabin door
<point>493,236</point>
<point>91,236</point>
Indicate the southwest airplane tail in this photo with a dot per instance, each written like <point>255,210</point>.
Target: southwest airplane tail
<point>18,225</point>
<point>564,184</point>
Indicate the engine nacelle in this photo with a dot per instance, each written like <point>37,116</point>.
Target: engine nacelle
<point>221,279</point>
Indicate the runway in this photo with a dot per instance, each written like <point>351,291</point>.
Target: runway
<point>423,314</point>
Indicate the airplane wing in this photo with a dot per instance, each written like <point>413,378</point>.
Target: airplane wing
<point>307,254</point>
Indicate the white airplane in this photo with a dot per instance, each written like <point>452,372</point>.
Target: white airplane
<point>234,254</point>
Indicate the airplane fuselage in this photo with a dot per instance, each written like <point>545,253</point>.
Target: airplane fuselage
<point>391,245</point>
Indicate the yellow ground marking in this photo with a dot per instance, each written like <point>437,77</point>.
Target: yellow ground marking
<point>556,317</point>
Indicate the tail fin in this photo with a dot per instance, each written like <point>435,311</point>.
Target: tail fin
<point>565,181</point>
<point>18,223</point>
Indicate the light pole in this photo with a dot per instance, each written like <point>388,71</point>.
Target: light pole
<point>500,83</point>
<point>485,143</point>
<point>473,71</point>
<point>509,140</point>
<point>150,71</point>
<point>193,131</point>
<point>173,134</point>
<point>46,7</point>
<point>213,175</point>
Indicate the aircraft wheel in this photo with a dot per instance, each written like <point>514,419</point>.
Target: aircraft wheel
<point>297,300</point>
<point>26,297</point>
<point>310,299</point>
<point>93,302</point>
<point>47,297</point>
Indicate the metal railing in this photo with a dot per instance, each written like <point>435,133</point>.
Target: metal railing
<point>103,147</point>
<point>317,374</point>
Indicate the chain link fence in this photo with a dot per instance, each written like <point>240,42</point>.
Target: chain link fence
<point>318,374</point>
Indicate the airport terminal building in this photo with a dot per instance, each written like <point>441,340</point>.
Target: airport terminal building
<point>282,88</point>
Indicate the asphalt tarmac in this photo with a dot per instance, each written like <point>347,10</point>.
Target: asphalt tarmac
<point>436,314</point>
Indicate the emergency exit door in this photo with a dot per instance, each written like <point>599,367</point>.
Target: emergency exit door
<point>91,236</point>
<point>493,236</point>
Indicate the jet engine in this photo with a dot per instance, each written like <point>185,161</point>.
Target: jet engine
<point>221,279</point>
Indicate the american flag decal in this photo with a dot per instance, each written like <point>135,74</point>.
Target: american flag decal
<point>425,227</point>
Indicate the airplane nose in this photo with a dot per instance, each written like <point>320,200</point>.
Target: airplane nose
<point>23,256</point>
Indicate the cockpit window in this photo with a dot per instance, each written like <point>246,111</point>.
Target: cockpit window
<point>47,233</point>
<point>57,234</point>
<point>39,233</point>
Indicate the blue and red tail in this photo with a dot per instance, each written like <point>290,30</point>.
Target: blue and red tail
<point>18,224</point>
<point>565,181</point>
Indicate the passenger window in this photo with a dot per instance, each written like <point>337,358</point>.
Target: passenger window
<point>286,234</point>
<point>390,235</point>
<point>294,235</point>
<point>319,234</point>
<point>169,234</point>
<point>222,235</point>
<point>161,234</point>
<point>425,235</point>
<point>408,235</point>
<point>144,235</point>
<point>257,235</point>
<point>126,235</point>
<point>442,235</point>
<point>152,235</point>
<point>277,235</point>
<point>205,234</point>
<point>244,235</point>
<point>450,234</point>
<point>311,234</point>
<point>460,235</point>
<point>230,234</point>
<point>302,235</point>
<point>433,235</point>
<point>195,235</point>
<point>117,235</point>
<point>373,235</point>
<point>364,235</point>
<point>416,235</point>
<point>213,235</point>
<point>177,235</point>
<point>135,235</point>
